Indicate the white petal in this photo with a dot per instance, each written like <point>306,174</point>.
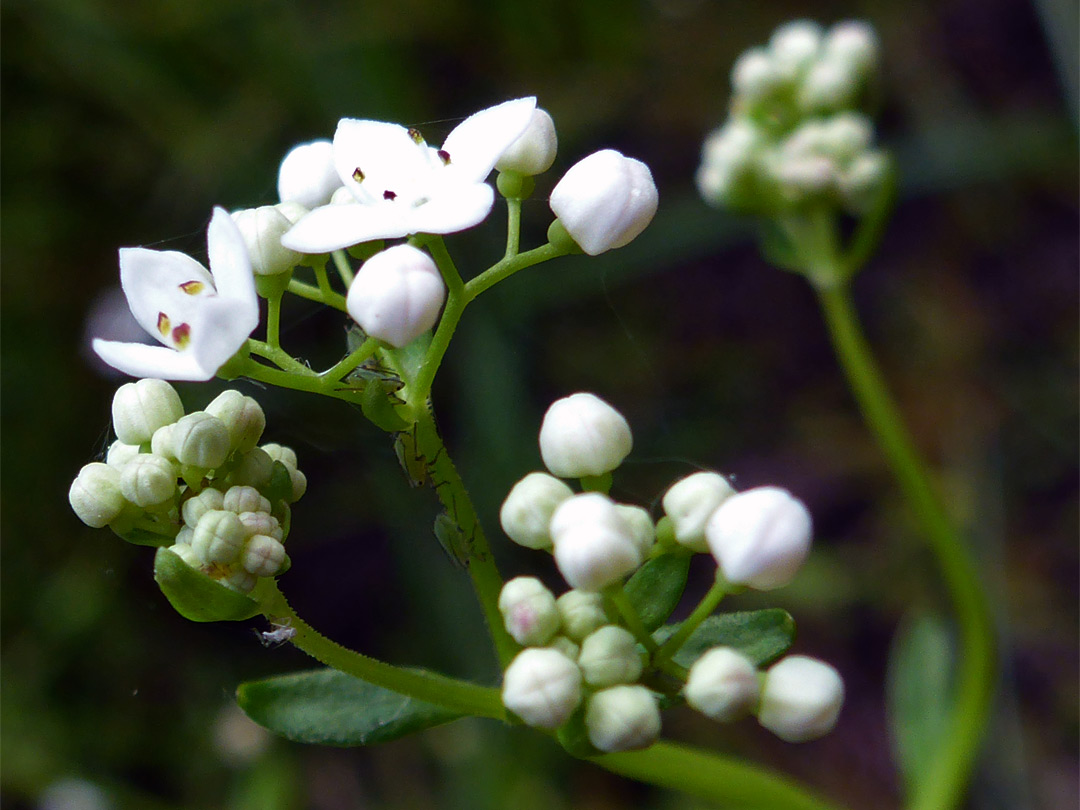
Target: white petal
<point>140,360</point>
<point>231,265</point>
<point>338,226</point>
<point>478,142</point>
<point>217,333</point>
<point>151,281</point>
<point>386,155</point>
<point>455,209</point>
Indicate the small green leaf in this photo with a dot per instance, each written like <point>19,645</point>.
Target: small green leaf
<point>917,692</point>
<point>573,736</point>
<point>142,537</point>
<point>657,587</point>
<point>196,596</point>
<point>760,635</point>
<point>328,707</point>
<point>280,486</point>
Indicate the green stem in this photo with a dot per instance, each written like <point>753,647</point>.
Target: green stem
<point>450,693</point>
<point>273,321</point>
<point>713,777</point>
<point>312,293</point>
<point>279,357</point>
<point>513,226</point>
<point>508,266</point>
<point>309,382</point>
<point>456,302</point>
<point>944,784</point>
<point>351,361</point>
<point>341,262</point>
<point>622,604</point>
<point>700,613</point>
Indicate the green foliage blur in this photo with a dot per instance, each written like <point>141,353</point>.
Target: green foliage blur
<point>124,123</point>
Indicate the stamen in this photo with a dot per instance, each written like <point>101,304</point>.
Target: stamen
<point>163,324</point>
<point>415,135</point>
<point>389,195</point>
<point>181,336</point>
<point>358,175</point>
<point>444,156</point>
<point>193,287</point>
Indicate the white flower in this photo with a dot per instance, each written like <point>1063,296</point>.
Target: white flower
<point>605,200</point>
<point>583,435</point>
<point>622,718</point>
<point>801,698</point>
<point>396,295</point>
<point>402,186</point>
<point>594,547</point>
<point>760,537</point>
<point>722,684</point>
<point>542,687</point>
<point>202,318</point>
<point>307,174</point>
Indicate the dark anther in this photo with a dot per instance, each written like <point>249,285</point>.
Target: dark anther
<point>358,175</point>
<point>389,195</point>
<point>444,156</point>
<point>415,135</point>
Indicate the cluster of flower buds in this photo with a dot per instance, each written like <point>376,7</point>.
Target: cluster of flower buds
<point>199,484</point>
<point>577,652</point>
<point>794,136</point>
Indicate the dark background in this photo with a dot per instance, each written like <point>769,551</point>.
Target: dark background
<point>124,123</point>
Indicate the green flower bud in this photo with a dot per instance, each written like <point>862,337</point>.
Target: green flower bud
<point>95,495</point>
<point>201,440</point>
<point>245,499</point>
<point>622,718</point>
<point>528,610</point>
<point>148,480</point>
<point>263,556</point>
<point>610,656</point>
<point>219,537</point>
<point>140,408</point>
<point>243,417</point>
<point>194,508</point>
<point>580,613</point>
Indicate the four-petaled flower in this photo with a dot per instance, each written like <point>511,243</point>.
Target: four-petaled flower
<point>202,318</point>
<point>402,186</point>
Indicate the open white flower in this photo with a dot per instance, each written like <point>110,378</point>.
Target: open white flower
<point>402,186</point>
<point>202,318</point>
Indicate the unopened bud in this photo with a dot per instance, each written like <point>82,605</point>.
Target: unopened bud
<point>206,501</point>
<point>243,417</point>
<point>534,150</point>
<point>754,76</point>
<point>593,546</point>
<point>690,502</point>
<point>262,523</point>
<point>526,513</point>
<point>120,454</point>
<point>200,440</point>
<point>622,718</point>
<point>794,46</point>
<point>219,537</point>
<point>278,452</point>
<point>829,84</point>
<point>95,495</point>
<point>801,698</point>
<point>528,610</point>
<point>262,229</point>
<point>396,295</point>
<point>853,41</point>
<point>580,613</point>
<point>722,684</point>
<point>610,656</point>
<point>139,408</point>
<point>263,556</point>
<point>307,174</point>
<point>245,499</point>
<point>542,687</point>
<point>148,480</point>
<point>582,435</point>
<point>640,524</point>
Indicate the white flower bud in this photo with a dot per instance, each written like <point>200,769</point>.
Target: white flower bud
<point>641,527</point>
<point>722,684</point>
<point>528,610</point>
<point>263,556</point>
<point>240,580</point>
<point>186,553</point>
<point>120,454</point>
<point>526,513</point>
<point>861,181</point>
<point>307,174</point>
<point>200,440</point>
<point>161,442</point>
<point>760,537</point>
<point>542,687</point>
<point>854,42</point>
<point>534,150</point>
<point>605,200</point>
<point>208,500</point>
<point>245,499</point>
<point>801,698</point>
<point>803,177</point>
<point>262,229</point>
<point>278,452</point>
<point>148,480</point>
<point>593,546</point>
<point>582,435</point>
<point>252,469</point>
<point>292,210</point>
<point>610,656</point>
<point>396,295</point>
<point>299,485</point>
<point>829,84</point>
<point>243,417</point>
<point>690,502</point>
<point>754,76</point>
<point>565,646</point>
<point>622,718</point>
<point>219,537</point>
<point>846,135</point>
<point>140,408</point>
<point>580,613</point>
<point>262,523</point>
<point>95,495</point>
<point>794,46</point>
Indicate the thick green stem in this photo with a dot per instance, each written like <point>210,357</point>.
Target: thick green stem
<point>700,613</point>
<point>513,226</point>
<point>944,784</point>
<point>450,693</point>
<point>728,782</point>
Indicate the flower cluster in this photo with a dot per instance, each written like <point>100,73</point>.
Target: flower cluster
<point>198,484</point>
<point>582,650</point>
<point>794,136</point>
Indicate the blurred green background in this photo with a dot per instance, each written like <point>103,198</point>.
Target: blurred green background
<point>125,122</point>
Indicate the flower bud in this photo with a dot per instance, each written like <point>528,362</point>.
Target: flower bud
<point>847,135</point>
<point>243,417</point>
<point>219,537</point>
<point>206,501</point>
<point>262,523</point>
<point>200,440</point>
<point>245,499</point>
<point>120,454</point>
<point>760,537</point>
<point>528,610</point>
<point>801,698</point>
<point>728,160</point>
<point>263,556</point>
<point>292,211</point>
<point>582,435</point>
<point>794,46</point>
<point>593,546</point>
<point>161,442</point>
<point>605,200</point>
<point>95,495</point>
<point>534,150</point>
<point>754,76</point>
<point>542,687</point>
<point>854,42</point>
<point>240,581</point>
<point>139,408</point>
<point>526,513</point>
<point>299,484</point>
<point>278,452</point>
<point>690,502</point>
<point>622,718</point>
<point>307,174</point>
<point>262,229</point>
<point>800,178</point>
<point>641,527</point>
<point>829,84</point>
<point>396,295</point>
<point>148,480</point>
<point>580,613</point>
<point>722,684</point>
<point>187,554</point>
<point>610,656</point>
<point>565,646</point>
